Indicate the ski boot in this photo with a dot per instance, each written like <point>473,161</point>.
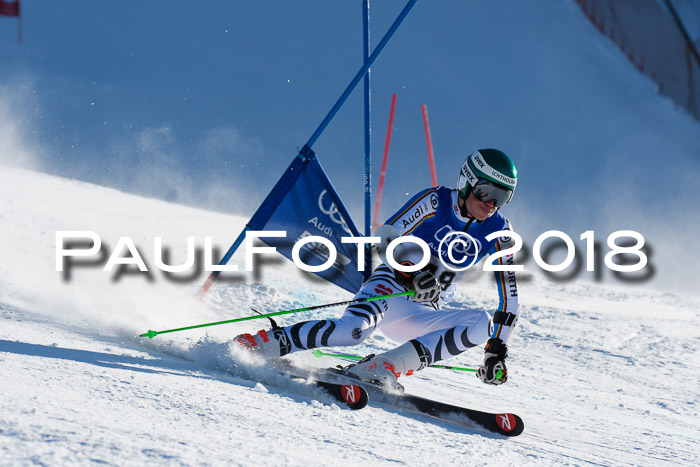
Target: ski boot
<point>385,369</point>
<point>269,345</point>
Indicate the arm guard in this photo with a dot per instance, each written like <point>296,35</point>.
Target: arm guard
<point>506,316</point>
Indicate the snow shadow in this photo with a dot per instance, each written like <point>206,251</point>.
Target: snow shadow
<point>102,359</point>
<point>242,375</point>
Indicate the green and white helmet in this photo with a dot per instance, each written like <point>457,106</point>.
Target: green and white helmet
<point>490,174</point>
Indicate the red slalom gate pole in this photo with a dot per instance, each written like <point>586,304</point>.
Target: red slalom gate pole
<point>429,141</point>
<point>382,175</point>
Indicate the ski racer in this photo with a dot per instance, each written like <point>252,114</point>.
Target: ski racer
<point>439,216</point>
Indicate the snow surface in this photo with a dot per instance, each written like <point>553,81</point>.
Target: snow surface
<point>601,374</point>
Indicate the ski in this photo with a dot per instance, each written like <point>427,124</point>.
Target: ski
<point>506,424</point>
<point>356,393</point>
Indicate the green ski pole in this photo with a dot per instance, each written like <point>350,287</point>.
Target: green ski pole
<point>320,353</point>
<point>151,334</point>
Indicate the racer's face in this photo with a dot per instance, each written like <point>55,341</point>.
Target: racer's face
<point>480,210</point>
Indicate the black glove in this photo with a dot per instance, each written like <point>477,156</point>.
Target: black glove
<point>423,283</point>
<point>426,287</point>
<point>494,370</point>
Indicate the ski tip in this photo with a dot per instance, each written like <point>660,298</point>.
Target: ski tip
<point>355,397</point>
<point>509,424</point>
<point>317,353</point>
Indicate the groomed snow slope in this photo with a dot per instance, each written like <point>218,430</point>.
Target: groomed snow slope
<point>600,374</point>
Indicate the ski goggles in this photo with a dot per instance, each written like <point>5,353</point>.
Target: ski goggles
<point>486,191</point>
